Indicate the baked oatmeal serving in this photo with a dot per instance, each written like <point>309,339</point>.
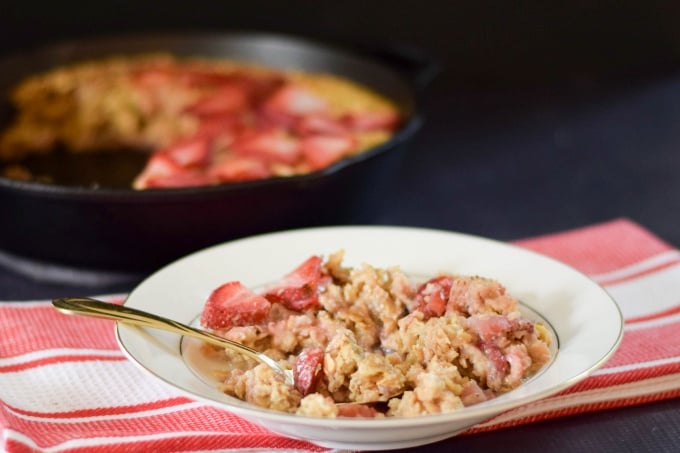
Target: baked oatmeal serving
<point>355,335</point>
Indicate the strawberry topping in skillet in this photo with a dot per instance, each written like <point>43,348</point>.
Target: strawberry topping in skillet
<point>255,127</point>
<point>322,150</point>
<point>226,99</point>
<point>371,121</point>
<point>235,168</point>
<point>197,117</point>
<point>271,146</point>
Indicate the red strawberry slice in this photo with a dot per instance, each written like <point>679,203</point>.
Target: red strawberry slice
<point>308,369</point>
<point>161,165</point>
<point>187,153</point>
<point>157,166</point>
<point>357,410</point>
<point>232,304</point>
<point>270,145</point>
<point>294,101</point>
<point>371,121</point>
<point>212,126</point>
<point>286,105</point>
<point>235,169</point>
<point>261,88</point>
<point>433,296</point>
<point>169,165</point>
<point>228,98</point>
<point>319,124</point>
<point>322,150</point>
<point>299,289</point>
<point>268,119</point>
<point>497,364</point>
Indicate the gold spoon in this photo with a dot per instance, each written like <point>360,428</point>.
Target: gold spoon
<point>128,315</point>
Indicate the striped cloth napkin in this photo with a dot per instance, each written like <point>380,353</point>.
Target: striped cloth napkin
<point>65,386</point>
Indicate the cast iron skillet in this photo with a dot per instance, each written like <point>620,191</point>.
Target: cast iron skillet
<point>119,229</point>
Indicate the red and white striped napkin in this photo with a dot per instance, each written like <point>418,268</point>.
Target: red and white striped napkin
<point>65,386</point>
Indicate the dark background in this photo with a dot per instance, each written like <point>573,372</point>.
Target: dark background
<point>546,116</point>
<point>484,41</point>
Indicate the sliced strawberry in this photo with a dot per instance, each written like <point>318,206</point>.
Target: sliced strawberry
<point>158,165</point>
<point>271,145</point>
<point>262,88</point>
<point>295,101</point>
<point>232,304</point>
<point>322,150</point>
<point>211,126</point>
<point>433,295</point>
<point>190,152</point>
<point>491,327</point>
<point>299,289</point>
<point>371,121</point>
<point>235,169</point>
<point>270,119</point>
<point>319,124</point>
<point>228,98</point>
<point>497,364</point>
<point>161,165</point>
<point>357,410</point>
<point>308,369</point>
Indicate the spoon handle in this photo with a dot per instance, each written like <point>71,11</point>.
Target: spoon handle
<point>128,315</point>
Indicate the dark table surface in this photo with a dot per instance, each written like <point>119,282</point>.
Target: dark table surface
<point>511,149</point>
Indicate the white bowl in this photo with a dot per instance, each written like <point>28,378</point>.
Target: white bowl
<point>586,321</point>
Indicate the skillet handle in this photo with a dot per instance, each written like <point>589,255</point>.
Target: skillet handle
<point>413,63</point>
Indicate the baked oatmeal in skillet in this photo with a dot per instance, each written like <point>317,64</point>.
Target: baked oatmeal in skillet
<point>202,121</point>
